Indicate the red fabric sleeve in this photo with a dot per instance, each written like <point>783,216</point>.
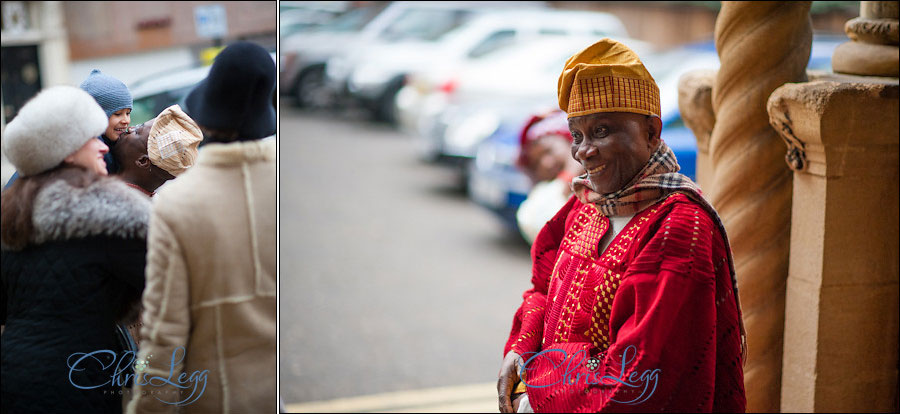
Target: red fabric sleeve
<point>528,322</point>
<point>663,327</point>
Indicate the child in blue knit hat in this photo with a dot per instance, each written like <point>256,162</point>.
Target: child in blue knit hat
<point>115,99</point>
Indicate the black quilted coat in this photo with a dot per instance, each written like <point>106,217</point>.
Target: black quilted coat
<point>63,295</point>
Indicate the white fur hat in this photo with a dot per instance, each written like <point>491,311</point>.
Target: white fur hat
<point>51,126</point>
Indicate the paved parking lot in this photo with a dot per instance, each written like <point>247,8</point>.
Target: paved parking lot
<point>391,279</point>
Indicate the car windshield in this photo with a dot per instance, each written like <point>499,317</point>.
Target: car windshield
<point>351,21</point>
<point>146,108</point>
<point>425,24</point>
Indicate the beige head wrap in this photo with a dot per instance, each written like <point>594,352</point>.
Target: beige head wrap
<point>173,141</point>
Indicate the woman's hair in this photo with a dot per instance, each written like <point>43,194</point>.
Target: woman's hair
<point>17,201</point>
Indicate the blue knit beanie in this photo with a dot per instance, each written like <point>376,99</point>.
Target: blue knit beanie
<point>109,92</point>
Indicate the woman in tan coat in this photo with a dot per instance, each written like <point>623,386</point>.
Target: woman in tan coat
<point>209,335</point>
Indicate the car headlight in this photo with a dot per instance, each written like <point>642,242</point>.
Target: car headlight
<point>465,135</point>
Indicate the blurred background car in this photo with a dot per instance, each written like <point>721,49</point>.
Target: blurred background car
<point>157,92</point>
<point>297,16</point>
<point>304,53</point>
<point>435,105</point>
<point>153,94</point>
<point>371,75</point>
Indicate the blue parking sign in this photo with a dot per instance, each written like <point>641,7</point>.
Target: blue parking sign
<point>210,21</point>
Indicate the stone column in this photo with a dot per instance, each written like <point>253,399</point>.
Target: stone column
<point>54,48</point>
<point>761,45</point>
<point>872,49</point>
<point>841,319</point>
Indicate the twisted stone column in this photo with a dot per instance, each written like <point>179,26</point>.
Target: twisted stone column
<point>761,46</point>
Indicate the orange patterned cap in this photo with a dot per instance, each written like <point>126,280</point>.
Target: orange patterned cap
<point>607,76</point>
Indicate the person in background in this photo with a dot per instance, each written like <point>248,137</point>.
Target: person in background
<point>157,150</point>
<point>544,157</point>
<point>210,302</point>
<point>73,257</point>
<point>634,302</point>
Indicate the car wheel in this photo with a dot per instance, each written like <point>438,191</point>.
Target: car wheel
<point>386,108</point>
<point>311,90</point>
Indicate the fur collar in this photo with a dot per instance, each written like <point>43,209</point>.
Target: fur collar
<point>107,207</point>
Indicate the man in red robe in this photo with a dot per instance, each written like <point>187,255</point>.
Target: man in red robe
<point>634,302</point>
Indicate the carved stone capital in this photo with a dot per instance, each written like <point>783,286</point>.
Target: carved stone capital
<point>838,125</point>
<point>876,31</point>
<point>695,104</point>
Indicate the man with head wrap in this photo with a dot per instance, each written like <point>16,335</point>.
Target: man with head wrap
<point>210,303</point>
<point>634,301</point>
<point>158,150</point>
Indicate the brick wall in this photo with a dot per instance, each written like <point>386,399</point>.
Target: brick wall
<point>98,29</point>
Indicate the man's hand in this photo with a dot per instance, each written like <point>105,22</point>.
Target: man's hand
<point>509,377</point>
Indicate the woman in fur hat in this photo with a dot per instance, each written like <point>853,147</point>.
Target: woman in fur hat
<point>73,256</point>
<point>115,99</point>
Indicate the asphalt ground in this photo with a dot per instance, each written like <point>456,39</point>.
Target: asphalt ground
<point>391,279</point>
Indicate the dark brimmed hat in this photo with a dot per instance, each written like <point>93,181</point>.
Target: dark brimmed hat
<point>237,93</point>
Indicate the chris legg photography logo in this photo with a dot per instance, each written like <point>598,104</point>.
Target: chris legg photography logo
<point>118,364</point>
<point>641,383</point>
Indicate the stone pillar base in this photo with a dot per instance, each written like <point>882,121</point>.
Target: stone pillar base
<point>858,58</point>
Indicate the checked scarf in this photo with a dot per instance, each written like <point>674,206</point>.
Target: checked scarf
<point>658,179</point>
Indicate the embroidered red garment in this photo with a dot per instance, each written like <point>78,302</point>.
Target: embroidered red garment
<point>654,317</point>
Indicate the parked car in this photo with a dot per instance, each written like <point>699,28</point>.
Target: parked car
<point>153,94</point>
<point>372,76</point>
<point>298,20</point>
<point>520,76</point>
<point>303,54</point>
<point>157,92</point>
